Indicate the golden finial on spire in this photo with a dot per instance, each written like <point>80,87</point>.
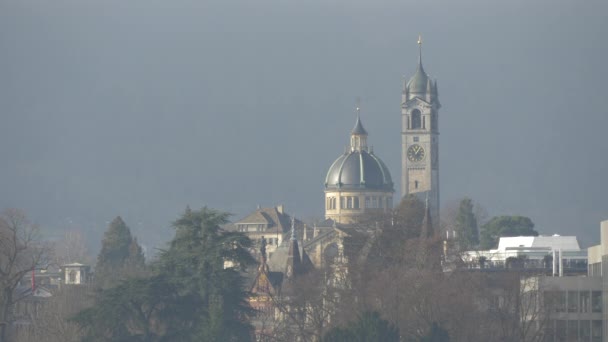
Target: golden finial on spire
<point>419,39</point>
<point>358,108</point>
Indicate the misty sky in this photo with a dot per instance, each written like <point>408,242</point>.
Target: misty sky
<point>138,108</point>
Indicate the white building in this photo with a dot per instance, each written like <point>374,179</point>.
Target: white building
<point>532,252</point>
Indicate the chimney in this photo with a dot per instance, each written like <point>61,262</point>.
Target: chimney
<point>280,209</point>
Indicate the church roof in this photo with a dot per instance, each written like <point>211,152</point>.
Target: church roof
<point>274,218</point>
<point>421,82</point>
<point>257,216</point>
<point>359,170</point>
<point>358,129</point>
<point>418,82</point>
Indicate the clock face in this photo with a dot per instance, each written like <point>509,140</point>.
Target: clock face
<point>415,153</point>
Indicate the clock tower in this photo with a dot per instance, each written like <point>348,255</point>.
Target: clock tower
<point>420,138</point>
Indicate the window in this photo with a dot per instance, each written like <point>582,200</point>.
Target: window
<point>380,202</point>
<point>374,202</point>
<point>416,139</point>
<point>349,202</point>
<point>368,202</point>
<point>415,184</point>
<point>596,301</point>
<point>572,330</point>
<point>596,331</point>
<point>585,330</point>
<point>331,203</point>
<point>560,330</point>
<point>342,202</point>
<point>416,119</point>
<point>560,301</point>
<point>356,202</point>
<point>389,203</point>
<point>572,301</point>
<point>584,301</point>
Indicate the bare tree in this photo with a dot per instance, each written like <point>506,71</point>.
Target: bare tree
<point>51,322</point>
<point>71,248</point>
<point>21,252</point>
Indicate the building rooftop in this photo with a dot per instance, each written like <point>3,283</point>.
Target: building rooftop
<point>554,242</point>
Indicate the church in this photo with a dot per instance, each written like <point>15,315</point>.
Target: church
<point>358,185</point>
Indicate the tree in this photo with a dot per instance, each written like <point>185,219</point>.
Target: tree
<point>134,310</point>
<point>195,291</point>
<point>369,327</point>
<point>408,216</point>
<point>466,225</point>
<point>396,232</point>
<point>20,253</point>
<point>71,248</point>
<point>120,255</point>
<point>504,226</point>
<point>214,303</point>
<point>50,322</point>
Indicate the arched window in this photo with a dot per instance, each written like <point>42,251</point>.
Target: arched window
<point>415,184</point>
<point>416,119</point>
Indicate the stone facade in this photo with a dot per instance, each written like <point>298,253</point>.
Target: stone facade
<point>337,206</point>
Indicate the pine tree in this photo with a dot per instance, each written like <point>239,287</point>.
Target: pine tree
<point>120,255</point>
<point>191,294</point>
<point>212,302</point>
<point>466,225</point>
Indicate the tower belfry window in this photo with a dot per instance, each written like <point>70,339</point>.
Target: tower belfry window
<point>416,119</point>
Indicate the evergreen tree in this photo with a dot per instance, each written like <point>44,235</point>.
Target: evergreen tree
<point>503,226</point>
<point>212,301</point>
<point>131,311</point>
<point>120,255</point>
<point>466,225</point>
<point>195,291</point>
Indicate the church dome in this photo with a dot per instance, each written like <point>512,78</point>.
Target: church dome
<point>359,169</point>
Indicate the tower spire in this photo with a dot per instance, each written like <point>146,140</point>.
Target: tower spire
<point>420,52</point>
